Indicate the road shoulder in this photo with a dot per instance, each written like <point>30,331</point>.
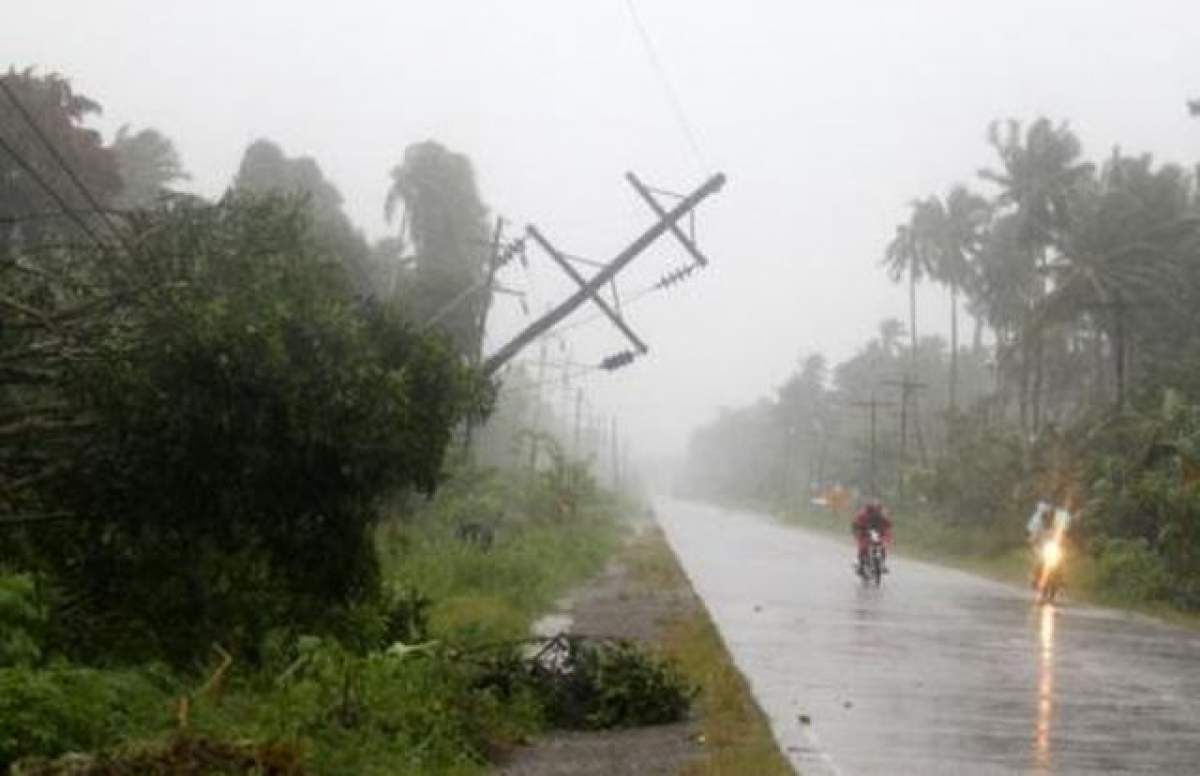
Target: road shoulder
<point>644,596</point>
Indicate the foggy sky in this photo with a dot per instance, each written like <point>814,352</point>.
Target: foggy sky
<point>827,117</point>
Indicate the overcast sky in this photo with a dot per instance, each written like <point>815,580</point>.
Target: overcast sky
<point>827,117</point>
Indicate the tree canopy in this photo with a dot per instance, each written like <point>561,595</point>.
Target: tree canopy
<point>445,219</point>
<point>265,168</point>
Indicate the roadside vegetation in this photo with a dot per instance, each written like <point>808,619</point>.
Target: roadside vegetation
<point>257,513</point>
<point>425,678</point>
<point>1078,383</point>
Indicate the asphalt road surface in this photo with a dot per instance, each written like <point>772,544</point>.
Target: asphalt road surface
<point>935,672</point>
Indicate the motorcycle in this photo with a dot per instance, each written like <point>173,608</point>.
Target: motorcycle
<point>872,569</point>
<point>1048,578</point>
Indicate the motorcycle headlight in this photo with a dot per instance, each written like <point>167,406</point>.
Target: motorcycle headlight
<point>1051,553</point>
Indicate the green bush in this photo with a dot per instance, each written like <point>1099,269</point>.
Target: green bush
<point>588,685</point>
<point>619,685</point>
<point>1128,570</point>
<point>181,754</point>
<point>246,415</point>
<point>22,621</point>
<point>975,482</point>
<point>386,712</point>
<point>46,712</point>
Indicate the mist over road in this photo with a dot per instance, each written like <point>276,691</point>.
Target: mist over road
<point>937,672</point>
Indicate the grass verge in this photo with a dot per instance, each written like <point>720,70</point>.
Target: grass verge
<point>737,737</point>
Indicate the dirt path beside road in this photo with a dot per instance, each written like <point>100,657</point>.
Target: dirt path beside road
<point>644,596</point>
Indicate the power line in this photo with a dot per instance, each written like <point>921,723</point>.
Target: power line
<point>672,96</point>
<point>42,215</point>
<point>594,317</point>
<point>565,375</point>
<point>37,130</point>
<point>32,172</point>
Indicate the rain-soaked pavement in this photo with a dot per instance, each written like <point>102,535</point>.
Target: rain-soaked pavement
<point>936,672</point>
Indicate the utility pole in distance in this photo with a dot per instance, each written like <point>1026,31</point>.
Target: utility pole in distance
<point>578,417</point>
<point>907,387</point>
<point>537,408</point>
<point>614,442</point>
<point>872,407</point>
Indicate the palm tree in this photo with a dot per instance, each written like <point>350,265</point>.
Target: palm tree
<point>908,255</point>
<point>1124,250</point>
<point>963,221</point>
<point>1039,171</point>
<point>446,224</point>
<point>912,253</point>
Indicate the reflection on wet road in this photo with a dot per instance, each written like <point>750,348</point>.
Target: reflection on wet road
<point>937,672</point>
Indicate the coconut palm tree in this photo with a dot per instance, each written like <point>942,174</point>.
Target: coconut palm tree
<point>1125,250</point>
<point>912,254</point>
<point>1039,170</point>
<point>963,220</point>
<point>908,256</point>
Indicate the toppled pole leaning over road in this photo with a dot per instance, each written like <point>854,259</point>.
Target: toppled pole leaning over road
<point>539,327</point>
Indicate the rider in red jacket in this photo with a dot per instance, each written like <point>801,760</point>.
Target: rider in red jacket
<point>871,516</point>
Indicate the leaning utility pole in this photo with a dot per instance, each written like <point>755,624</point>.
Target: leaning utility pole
<point>589,289</point>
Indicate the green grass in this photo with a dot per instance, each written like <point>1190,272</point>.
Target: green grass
<point>736,735</point>
<point>496,594</point>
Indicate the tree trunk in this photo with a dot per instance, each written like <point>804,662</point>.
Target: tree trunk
<point>1120,358</point>
<point>953,346</point>
<point>912,311</point>
<point>1023,388</point>
<point>1099,368</point>
<point>977,335</point>
<point>912,318</point>
<point>1039,358</point>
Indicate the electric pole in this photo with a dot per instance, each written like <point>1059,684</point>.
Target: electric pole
<point>872,407</point>
<point>590,288</point>
<point>578,414</point>
<point>907,387</point>
<point>614,442</point>
<point>534,430</point>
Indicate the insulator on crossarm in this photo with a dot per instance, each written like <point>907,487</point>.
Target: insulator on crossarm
<point>516,248</point>
<point>617,360</point>
<point>676,276</point>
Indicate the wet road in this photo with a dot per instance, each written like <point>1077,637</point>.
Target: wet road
<point>937,672</point>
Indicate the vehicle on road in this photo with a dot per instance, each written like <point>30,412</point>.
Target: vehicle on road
<point>871,568</point>
<point>1048,573</point>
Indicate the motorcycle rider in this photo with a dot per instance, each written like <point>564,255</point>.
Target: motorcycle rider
<point>1044,524</point>
<point>872,517</point>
